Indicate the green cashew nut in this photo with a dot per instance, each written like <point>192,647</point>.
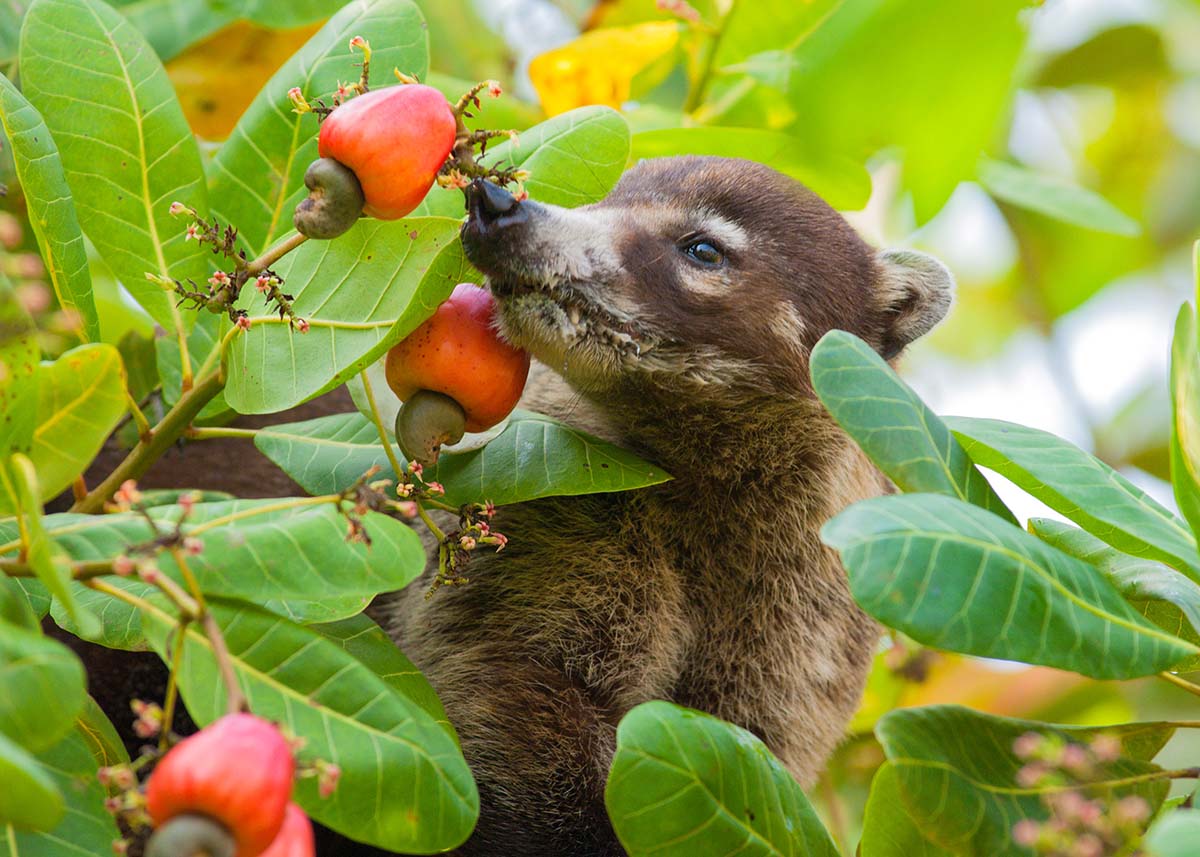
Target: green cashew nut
<point>427,421</point>
<point>191,835</point>
<point>334,203</point>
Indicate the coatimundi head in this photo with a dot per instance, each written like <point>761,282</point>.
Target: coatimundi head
<point>694,272</point>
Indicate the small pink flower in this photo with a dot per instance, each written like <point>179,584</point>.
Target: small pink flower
<point>295,94</point>
<point>416,468</point>
<point>489,509</point>
<point>467,543</point>
<point>404,489</point>
<point>243,322</point>
<point>113,805</point>
<point>122,777</point>
<point>1106,748</point>
<point>104,775</point>
<point>188,501</point>
<point>149,572</point>
<point>1030,775</point>
<point>435,488</point>
<point>500,541</point>
<point>1026,832</point>
<point>218,279</point>
<point>1087,845</point>
<point>328,778</point>
<point>145,728</point>
<point>343,90</point>
<point>522,196</point>
<point>493,88</point>
<point>408,508</point>
<point>120,847</point>
<point>302,325</point>
<point>263,283</point>
<point>1131,810</point>
<point>123,566</point>
<point>193,545</point>
<point>128,493</point>
<point>484,529</point>
<point>1027,745</point>
<point>193,231</point>
<point>358,42</point>
<point>1075,759</point>
<point>177,208</point>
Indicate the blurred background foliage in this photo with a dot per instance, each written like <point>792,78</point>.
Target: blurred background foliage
<point>1049,153</point>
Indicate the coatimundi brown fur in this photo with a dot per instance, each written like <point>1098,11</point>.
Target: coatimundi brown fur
<point>677,316</point>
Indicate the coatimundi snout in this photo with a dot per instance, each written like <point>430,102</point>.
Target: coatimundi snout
<point>675,318</point>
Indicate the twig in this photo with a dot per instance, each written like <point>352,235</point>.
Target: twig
<point>377,419</point>
<point>80,570</point>
<point>172,686</point>
<point>235,700</point>
<point>143,424</point>
<point>274,253</point>
<point>1184,684</point>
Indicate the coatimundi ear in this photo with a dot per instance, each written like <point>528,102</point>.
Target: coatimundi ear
<point>915,293</point>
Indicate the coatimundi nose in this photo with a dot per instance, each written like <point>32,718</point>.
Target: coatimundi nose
<point>491,205</point>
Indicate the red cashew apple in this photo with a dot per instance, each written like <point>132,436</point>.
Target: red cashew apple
<point>238,771</point>
<point>295,838</point>
<point>394,140</point>
<point>454,373</point>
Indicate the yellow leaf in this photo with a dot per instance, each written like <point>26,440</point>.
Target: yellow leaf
<point>599,67</point>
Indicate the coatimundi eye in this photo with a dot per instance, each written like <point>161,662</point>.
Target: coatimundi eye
<point>705,253</point>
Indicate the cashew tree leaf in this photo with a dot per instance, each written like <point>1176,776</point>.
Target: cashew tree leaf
<point>30,798</point>
<point>1081,487</point>
<point>84,827</point>
<point>81,398</point>
<point>1054,197</point>
<point>257,177</point>
<point>50,207</point>
<point>19,355</point>
<point>953,576</point>
<point>683,782</point>
<point>360,294</point>
<point>1161,594</point>
<point>1185,409</point>
<point>533,456</point>
<point>894,427</point>
<point>956,772</point>
<point>404,785</point>
<point>288,555</point>
<point>125,144</point>
<point>888,829</point>
<point>41,687</point>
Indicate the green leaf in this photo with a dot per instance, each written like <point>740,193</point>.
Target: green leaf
<point>533,456</point>
<point>888,830</point>
<point>683,782</point>
<point>171,26</point>
<point>1161,594</point>
<point>1185,410</point>
<point>953,576</point>
<point>361,294</point>
<point>100,735</point>
<point>41,687</point>
<point>279,14</point>
<point>19,353</point>
<point>1174,835</point>
<point>15,607</point>
<point>30,797</point>
<point>873,79</point>
<point>120,623</point>
<point>1081,487</point>
<point>894,427</point>
<point>840,181</point>
<point>257,177</point>
<point>46,559</point>
<point>574,158</point>
<point>81,398</point>
<point>287,555</point>
<point>51,210</point>
<point>404,786</point>
<point>86,829</point>
<point>125,144</point>
<point>203,339</point>
<point>956,772</point>
<point>368,643</point>
<point>1054,197</point>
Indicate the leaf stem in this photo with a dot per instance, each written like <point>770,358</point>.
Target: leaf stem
<point>172,686</point>
<point>377,419</point>
<point>235,700</point>
<point>83,570</point>
<point>1181,683</point>
<point>185,361</point>
<point>172,426</point>
<point>274,253</point>
<point>214,432</point>
<point>429,522</point>
<point>143,424</point>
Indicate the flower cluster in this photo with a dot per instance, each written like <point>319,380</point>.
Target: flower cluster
<point>1080,823</point>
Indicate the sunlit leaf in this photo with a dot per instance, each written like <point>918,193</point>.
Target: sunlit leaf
<point>957,774</point>
<point>888,829</point>
<point>129,154</point>
<point>51,210</point>
<point>840,181</point>
<point>41,687</point>
<point>894,427</point>
<point>953,576</point>
<point>1054,197</point>
<point>257,177</point>
<point>1081,487</point>
<point>534,456</point>
<point>1185,410</point>
<point>19,353</point>
<point>81,398</point>
<point>404,785</point>
<point>30,798</point>
<point>683,783</point>
<point>1174,835</point>
<point>361,294</point>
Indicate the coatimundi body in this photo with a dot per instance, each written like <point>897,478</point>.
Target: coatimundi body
<point>677,316</point>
